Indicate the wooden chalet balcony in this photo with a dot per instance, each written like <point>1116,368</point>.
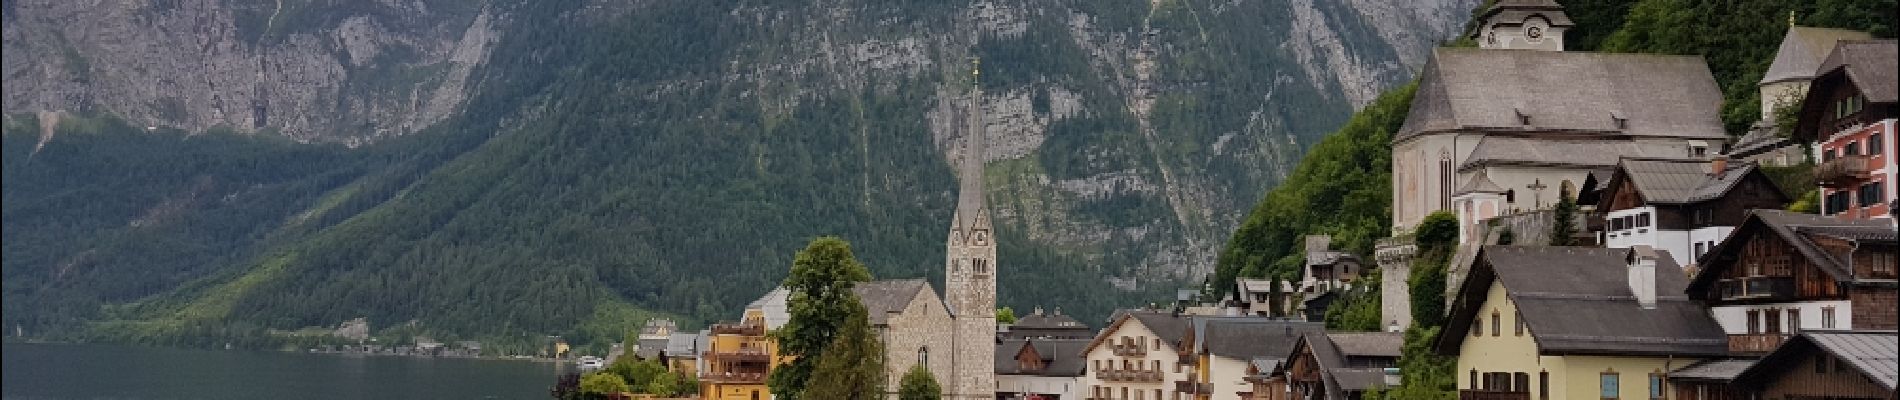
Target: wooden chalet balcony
<point>1755,343</point>
<point>738,329</point>
<point>733,377</point>
<point>1489,395</point>
<point>1192,387</point>
<point>1758,287</point>
<point>1844,171</point>
<point>750,354</point>
<point>1128,375</point>
<point>1129,350</point>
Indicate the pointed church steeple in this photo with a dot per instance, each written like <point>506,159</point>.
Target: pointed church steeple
<point>970,204</point>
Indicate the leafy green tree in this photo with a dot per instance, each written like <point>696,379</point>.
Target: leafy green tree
<point>919,384</point>
<point>1439,230</point>
<point>1425,374</point>
<point>1005,315</point>
<point>1563,227</point>
<point>820,303</point>
<point>852,367</point>
<point>603,384</point>
<point>666,384</point>
<point>635,371</point>
<point>1809,202</point>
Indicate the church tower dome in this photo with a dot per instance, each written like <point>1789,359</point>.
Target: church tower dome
<point>1523,25</point>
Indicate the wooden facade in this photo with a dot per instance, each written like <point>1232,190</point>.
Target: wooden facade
<point>1819,375</point>
<point>1768,270</point>
<point>1753,192</point>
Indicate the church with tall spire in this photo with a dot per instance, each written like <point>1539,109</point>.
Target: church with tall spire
<point>970,267</point>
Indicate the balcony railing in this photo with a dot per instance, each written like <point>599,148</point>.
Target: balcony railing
<point>1128,375</point>
<point>1129,350</point>
<point>1192,387</point>
<point>733,377</point>
<point>1489,395</point>
<point>738,329</point>
<point>1844,171</point>
<point>744,354</point>
<point>1755,343</point>
<point>1758,287</point>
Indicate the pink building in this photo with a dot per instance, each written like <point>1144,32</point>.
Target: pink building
<point>1849,114</point>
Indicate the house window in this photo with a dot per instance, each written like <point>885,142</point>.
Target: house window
<point>1474,379</point>
<point>1523,384</point>
<point>1794,321</point>
<point>1608,384</point>
<point>1543,385</point>
<point>1771,321</point>
<point>1870,194</point>
<point>1520,322</point>
<point>1875,145</point>
<point>1699,250</point>
<point>1477,327</point>
<point>1655,386</point>
<point>1827,155</point>
<point>1827,317</point>
<point>1754,322</point>
<point>1704,216</point>
<point>1852,149</point>
<point>1496,328</point>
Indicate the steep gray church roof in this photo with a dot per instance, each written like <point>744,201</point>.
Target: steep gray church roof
<point>1652,95</point>
<point>885,297</point>
<point>1571,152</point>
<point>1802,50</point>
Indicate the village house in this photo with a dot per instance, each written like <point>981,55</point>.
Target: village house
<point>1338,366</point>
<point>1218,352</point>
<point>1041,325</point>
<point>1800,54</point>
<point>1254,297</point>
<point>1136,356</point>
<point>1040,369</point>
<point>740,356</point>
<point>1823,365</point>
<point>1849,114</point>
<point>1782,273</point>
<point>1574,323</point>
<point>1683,206</point>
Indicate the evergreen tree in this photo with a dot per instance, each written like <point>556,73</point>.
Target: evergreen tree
<point>852,367</point>
<point>1564,225</point>
<point>1274,294</point>
<point>918,384</point>
<point>820,303</point>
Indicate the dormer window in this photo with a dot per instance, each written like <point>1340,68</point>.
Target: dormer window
<point>1522,118</point>
<point>1619,121</point>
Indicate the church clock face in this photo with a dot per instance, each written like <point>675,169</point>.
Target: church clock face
<point>981,238</point>
<point>1535,33</point>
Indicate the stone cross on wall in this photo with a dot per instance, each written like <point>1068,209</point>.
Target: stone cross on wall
<point>1537,192</point>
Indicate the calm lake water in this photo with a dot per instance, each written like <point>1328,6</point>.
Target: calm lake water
<point>60,371</point>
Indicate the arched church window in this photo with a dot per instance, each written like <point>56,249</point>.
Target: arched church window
<point>1444,179</point>
<point>923,356</point>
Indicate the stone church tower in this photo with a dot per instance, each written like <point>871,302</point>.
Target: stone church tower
<point>970,271</point>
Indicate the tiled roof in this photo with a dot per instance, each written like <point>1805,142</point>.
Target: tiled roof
<point>1368,344</point>
<point>1870,64</point>
<point>1719,370</point>
<point>885,297</point>
<point>1577,300</point>
<point>1874,354</point>
<point>1681,181</point>
<point>1760,138</point>
<point>1061,357</point>
<point>1564,152</point>
<point>1488,90</point>
<point>1803,49</point>
<point>1246,338</point>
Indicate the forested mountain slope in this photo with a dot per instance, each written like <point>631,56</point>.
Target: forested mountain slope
<point>599,161</point>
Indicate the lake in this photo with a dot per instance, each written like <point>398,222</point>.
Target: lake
<point>67,371</point>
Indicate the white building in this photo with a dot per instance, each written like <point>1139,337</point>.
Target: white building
<point>1137,357</point>
<point>1684,206</point>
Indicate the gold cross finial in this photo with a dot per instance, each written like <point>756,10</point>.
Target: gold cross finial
<point>976,66</point>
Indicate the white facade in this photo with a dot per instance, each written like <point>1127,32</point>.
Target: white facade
<point>1225,378</point>
<point>1152,353</point>
<point>1812,315</point>
<point>1685,246</point>
<point>1066,387</point>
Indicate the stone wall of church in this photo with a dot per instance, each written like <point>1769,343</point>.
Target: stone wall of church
<point>919,333</point>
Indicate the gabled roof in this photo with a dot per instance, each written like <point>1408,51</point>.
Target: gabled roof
<point>1040,320</point>
<point>1571,152</point>
<point>1760,138</point>
<point>885,297</point>
<point>773,305</point>
<point>1464,89</point>
<point>1875,355</point>
<point>682,344</point>
<point>1683,181</point>
<point>1802,50</point>
<point>1060,357</point>
<point>1870,65</point>
<point>1368,344</point>
<point>1335,374</point>
<point>1794,229</point>
<point>1480,183</point>
<point>1262,285</point>
<point>1576,300</point>
<point>1165,325</point>
<point>1247,338</point>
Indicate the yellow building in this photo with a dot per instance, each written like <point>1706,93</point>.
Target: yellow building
<point>1574,323</point>
<point>738,357</point>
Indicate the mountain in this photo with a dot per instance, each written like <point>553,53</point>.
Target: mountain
<point>507,169</point>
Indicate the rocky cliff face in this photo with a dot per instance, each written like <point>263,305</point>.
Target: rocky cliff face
<point>1128,137</point>
<point>314,72</point>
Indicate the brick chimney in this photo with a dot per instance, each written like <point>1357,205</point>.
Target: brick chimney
<point>1642,275</point>
<point>1718,165</point>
